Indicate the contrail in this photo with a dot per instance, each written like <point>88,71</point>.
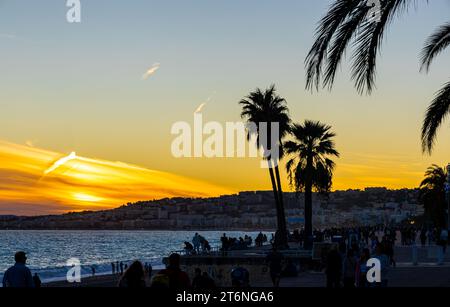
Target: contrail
<point>200,107</point>
<point>151,71</point>
<point>61,162</point>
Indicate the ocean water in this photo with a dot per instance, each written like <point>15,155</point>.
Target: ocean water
<point>48,251</point>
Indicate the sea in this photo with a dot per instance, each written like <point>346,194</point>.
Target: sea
<point>49,251</point>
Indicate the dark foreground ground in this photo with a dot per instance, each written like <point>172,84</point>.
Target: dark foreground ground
<point>420,276</point>
<point>426,274</point>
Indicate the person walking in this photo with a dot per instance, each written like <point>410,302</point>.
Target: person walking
<point>196,243</point>
<point>274,260</point>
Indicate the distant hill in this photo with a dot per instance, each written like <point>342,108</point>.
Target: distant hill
<point>246,210</point>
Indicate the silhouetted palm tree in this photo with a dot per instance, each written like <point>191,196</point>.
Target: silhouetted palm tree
<point>432,194</point>
<point>348,23</point>
<point>309,166</point>
<point>267,107</point>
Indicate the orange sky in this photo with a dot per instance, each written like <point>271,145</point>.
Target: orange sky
<point>36,181</point>
<point>30,185</point>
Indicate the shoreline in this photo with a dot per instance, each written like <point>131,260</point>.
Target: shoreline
<point>101,280</point>
<point>143,230</point>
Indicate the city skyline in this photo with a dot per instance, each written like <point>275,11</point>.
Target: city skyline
<point>111,87</point>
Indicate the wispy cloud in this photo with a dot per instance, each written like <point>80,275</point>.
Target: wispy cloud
<point>31,143</point>
<point>61,162</point>
<point>201,106</point>
<point>151,71</point>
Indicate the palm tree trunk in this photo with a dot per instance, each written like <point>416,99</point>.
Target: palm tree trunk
<point>275,194</point>
<point>308,203</point>
<point>282,227</point>
<point>308,213</point>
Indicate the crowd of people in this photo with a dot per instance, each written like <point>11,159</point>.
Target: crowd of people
<point>346,262</point>
<point>241,243</point>
<point>404,235</point>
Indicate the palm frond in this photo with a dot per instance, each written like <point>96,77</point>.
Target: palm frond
<point>434,45</point>
<point>435,115</point>
<point>345,21</point>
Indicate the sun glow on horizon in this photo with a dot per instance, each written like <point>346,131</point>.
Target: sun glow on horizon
<point>86,198</point>
<point>75,183</point>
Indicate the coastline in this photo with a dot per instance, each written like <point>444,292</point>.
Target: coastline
<point>104,281</point>
<point>141,230</point>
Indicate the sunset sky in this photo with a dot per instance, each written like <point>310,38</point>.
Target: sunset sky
<point>110,88</point>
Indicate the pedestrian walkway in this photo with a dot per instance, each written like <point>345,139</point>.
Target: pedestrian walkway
<point>407,276</point>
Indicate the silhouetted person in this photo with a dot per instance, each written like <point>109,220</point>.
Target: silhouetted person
<point>117,267</point>
<point>133,276</point>
<point>362,268</point>
<point>225,242</point>
<point>334,269</point>
<point>149,270</point>
<point>188,247</point>
<point>93,270</point>
<point>197,281</point>
<point>196,240</point>
<point>423,237</point>
<point>240,278</point>
<point>177,278</point>
<point>385,263</point>
<point>350,265</point>
<point>113,268</point>
<point>37,281</point>
<point>18,276</point>
<point>274,260</point>
<point>121,268</point>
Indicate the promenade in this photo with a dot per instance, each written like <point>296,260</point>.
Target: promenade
<point>425,274</point>
<point>411,276</point>
<point>405,276</point>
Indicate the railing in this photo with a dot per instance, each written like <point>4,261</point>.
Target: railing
<point>250,252</point>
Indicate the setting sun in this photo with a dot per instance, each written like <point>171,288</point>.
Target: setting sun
<point>86,197</point>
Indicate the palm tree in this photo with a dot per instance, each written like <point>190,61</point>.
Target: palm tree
<point>310,167</point>
<point>267,107</point>
<point>348,23</point>
<point>432,194</point>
